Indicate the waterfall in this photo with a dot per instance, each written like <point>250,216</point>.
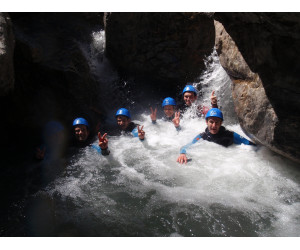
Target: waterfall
<point>216,78</point>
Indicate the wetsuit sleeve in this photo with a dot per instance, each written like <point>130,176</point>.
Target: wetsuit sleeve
<point>184,148</point>
<point>101,151</point>
<point>214,105</point>
<point>178,128</point>
<point>154,121</point>
<point>135,133</point>
<point>238,139</point>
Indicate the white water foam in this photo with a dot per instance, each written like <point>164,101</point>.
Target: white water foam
<point>140,189</point>
<point>240,180</point>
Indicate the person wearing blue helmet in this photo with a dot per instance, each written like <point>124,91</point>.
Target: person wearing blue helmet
<point>54,141</point>
<point>169,106</point>
<point>216,133</point>
<point>190,94</point>
<point>127,126</point>
<point>81,129</point>
<point>83,138</point>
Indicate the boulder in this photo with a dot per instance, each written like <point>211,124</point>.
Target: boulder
<point>163,47</point>
<point>259,51</point>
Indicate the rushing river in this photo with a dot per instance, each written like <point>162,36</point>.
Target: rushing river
<point>140,189</point>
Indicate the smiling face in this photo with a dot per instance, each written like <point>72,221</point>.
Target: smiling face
<point>213,124</point>
<point>189,98</point>
<point>123,122</point>
<point>169,110</point>
<point>81,132</point>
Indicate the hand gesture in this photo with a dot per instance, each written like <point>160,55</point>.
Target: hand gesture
<point>213,98</point>
<point>153,114</point>
<point>40,153</point>
<point>141,132</point>
<point>103,141</point>
<point>182,159</point>
<point>176,119</point>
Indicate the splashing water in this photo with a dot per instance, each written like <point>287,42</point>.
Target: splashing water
<point>140,189</point>
<point>215,78</point>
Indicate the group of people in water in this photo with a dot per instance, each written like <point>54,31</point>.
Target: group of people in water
<point>214,132</point>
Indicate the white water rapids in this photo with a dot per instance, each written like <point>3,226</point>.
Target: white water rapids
<point>140,189</point>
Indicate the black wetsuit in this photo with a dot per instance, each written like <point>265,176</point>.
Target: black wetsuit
<point>88,142</point>
<point>224,137</point>
<point>131,127</point>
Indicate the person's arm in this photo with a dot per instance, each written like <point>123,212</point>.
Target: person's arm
<point>40,152</point>
<point>105,151</point>
<point>102,146</point>
<point>238,139</point>
<point>213,100</point>
<point>134,132</point>
<point>178,128</point>
<point>138,132</point>
<point>153,115</point>
<point>182,157</point>
<point>99,150</point>
<point>176,121</point>
<point>141,132</point>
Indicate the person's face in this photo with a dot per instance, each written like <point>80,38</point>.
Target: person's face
<point>81,132</point>
<point>123,122</point>
<point>213,124</point>
<point>189,98</point>
<point>169,110</point>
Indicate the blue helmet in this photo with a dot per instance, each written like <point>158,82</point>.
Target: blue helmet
<point>214,112</point>
<point>189,88</point>
<point>168,101</point>
<point>80,121</point>
<point>124,112</point>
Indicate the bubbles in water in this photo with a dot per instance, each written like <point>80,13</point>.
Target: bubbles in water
<point>140,189</point>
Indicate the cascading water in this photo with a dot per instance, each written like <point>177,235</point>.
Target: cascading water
<point>140,189</point>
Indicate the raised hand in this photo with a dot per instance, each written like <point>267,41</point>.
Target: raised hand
<point>213,99</point>
<point>141,132</point>
<point>153,114</point>
<point>103,141</point>
<point>40,153</point>
<point>176,119</point>
<point>182,159</point>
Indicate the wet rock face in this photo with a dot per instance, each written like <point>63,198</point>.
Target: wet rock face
<point>167,47</point>
<point>260,52</point>
<point>52,74</point>
<point>6,55</point>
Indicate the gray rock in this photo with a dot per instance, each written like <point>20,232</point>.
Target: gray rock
<point>260,52</point>
<point>167,47</point>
